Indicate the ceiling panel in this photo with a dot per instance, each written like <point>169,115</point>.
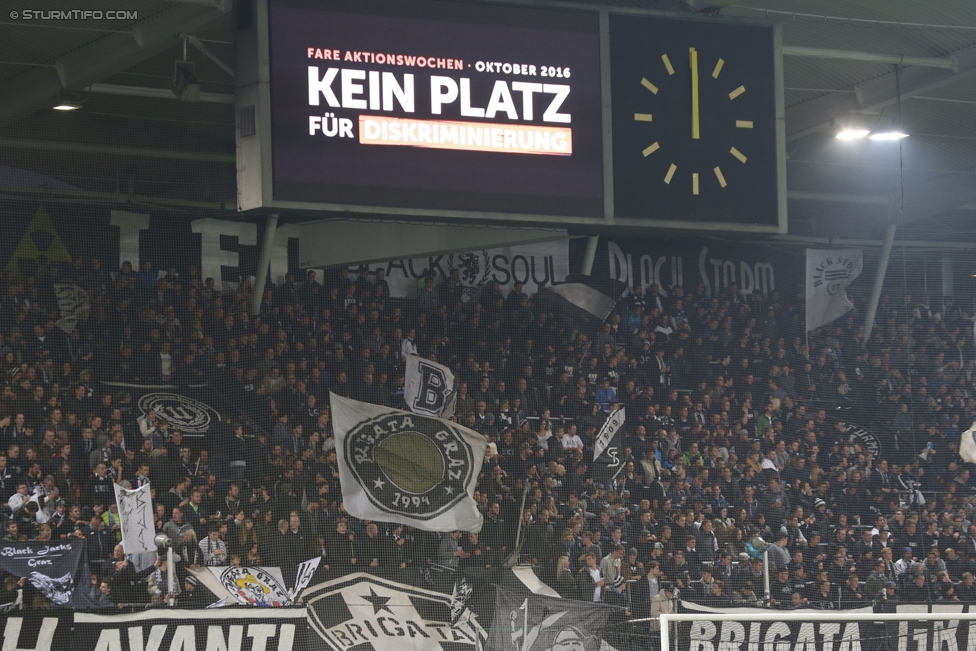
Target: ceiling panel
<point>938,160</point>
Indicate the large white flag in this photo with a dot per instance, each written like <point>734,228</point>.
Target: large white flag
<point>967,445</point>
<point>136,519</point>
<point>829,272</point>
<point>429,388</point>
<point>395,466</point>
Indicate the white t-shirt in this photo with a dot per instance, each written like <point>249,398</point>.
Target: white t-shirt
<point>573,441</point>
<point>17,501</point>
<point>407,347</point>
<point>595,574</point>
<point>543,441</point>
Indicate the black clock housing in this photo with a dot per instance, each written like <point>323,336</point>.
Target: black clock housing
<point>750,196</point>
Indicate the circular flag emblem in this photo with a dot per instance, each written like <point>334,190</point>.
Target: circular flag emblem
<point>185,414</point>
<point>835,273</point>
<point>868,439</point>
<point>254,586</point>
<point>410,465</point>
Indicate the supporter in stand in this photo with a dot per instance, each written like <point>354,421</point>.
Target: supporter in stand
<point>916,590</point>
<point>736,427</point>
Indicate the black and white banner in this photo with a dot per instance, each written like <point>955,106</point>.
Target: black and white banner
<point>706,635</point>
<point>538,623</point>
<point>429,388</point>
<point>799,633</point>
<point>136,519</point>
<point>608,452</point>
<point>247,586</point>
<point>395,466</point>
<point>59,570</point>
<point>609,430</point>
<point>829,272</point>
<point>41,630</point>
<point>529,264</point>
<point>73,304</point>
<point>306,570</point>
<point>370,613</point>
<point>951,634</point>
<point>192,410</point>
<point>580,306</point>
<point>190,415</point>
<point>691,263</point>
<point>282,629</point>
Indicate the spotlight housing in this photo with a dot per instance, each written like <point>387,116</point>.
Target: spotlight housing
<point>184,83</point>
<point>67,102</point>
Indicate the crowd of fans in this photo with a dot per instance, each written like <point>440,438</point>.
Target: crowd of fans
<point>740,432</point>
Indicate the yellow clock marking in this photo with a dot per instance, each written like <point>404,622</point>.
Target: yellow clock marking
<point>695,125</point>
<point>667,64</point>
<point>739,124</point>
<point>649,86</point>
<point>720,176</point>
<point>670,174</point>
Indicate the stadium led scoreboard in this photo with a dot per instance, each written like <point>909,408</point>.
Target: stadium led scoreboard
<point>510,114</point>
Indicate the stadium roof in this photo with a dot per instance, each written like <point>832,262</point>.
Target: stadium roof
<point>133,138</point>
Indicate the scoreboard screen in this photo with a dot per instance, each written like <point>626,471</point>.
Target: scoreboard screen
<point>436,106</point>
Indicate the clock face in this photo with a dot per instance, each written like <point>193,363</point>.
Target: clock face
<point>694,129</point>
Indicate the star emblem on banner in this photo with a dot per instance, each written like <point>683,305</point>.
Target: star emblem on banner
<point>378,602</point>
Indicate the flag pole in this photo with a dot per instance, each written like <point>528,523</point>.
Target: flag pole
<point>879,278</point>
<point>171,576</point>
<point>518,532</point>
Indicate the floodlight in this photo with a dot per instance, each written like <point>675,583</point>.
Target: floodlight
<point>67,102</point>
<point>888,135</point>
<point>852,134</point>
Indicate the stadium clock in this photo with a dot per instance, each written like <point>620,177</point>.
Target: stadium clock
<point>694,120</point>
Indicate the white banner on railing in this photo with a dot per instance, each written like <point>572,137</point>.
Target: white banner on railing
<point>529,264</point>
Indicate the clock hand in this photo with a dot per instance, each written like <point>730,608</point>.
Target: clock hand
<point>695,128</point>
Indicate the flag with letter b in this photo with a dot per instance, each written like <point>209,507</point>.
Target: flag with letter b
<point>429,388</point>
